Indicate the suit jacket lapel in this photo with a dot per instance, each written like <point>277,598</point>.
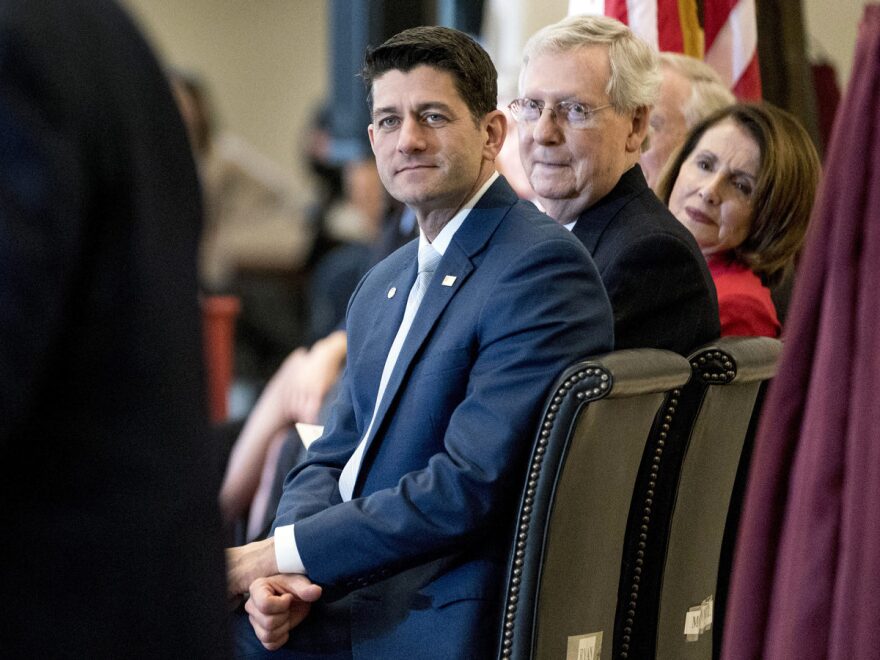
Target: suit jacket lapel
<point>592,223</point>
<point>457,262</point>
<point>389,312</point>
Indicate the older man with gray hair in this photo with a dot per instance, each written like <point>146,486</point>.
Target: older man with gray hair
<point>690,90</point>
<point>587,86</point>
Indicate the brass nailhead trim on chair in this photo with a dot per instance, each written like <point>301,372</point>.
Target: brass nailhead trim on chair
<point>714,366</point>
<point>599,385</point>
<point>647,510</point>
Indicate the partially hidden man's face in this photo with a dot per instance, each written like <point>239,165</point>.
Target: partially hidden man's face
<point>668,125</point>
<point>428,150</point>
<point>571,169</point>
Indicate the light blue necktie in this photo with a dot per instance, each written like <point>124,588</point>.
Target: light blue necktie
<point>428,260</point>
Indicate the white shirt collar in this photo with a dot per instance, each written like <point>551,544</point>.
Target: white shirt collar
<point>570,225</point>
<point>444,238</point>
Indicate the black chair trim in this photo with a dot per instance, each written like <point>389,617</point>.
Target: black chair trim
<point>666,419</point>
<point>656,485</point>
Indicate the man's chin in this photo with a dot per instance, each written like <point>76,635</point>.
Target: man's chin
<point>415,198</point>
<point>548,191</point>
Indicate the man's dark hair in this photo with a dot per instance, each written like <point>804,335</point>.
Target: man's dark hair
<point>442,48</point>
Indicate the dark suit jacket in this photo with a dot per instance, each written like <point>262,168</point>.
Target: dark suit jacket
<point>423,544</point>
<point>656,277</point>
<point>109,532</point>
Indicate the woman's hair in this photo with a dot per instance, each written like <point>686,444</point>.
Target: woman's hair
<point>785,189</point>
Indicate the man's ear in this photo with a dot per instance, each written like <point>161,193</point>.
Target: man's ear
<point>370,133</point>
<point>495,129</point>
<point>639,129</point>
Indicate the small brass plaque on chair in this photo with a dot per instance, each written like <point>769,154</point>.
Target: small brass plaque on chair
<point>584,647</point>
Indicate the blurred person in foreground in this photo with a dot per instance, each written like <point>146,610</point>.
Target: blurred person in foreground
<point>743,183</point>
<point>111,540</point>
<point>690,90</point>
<point>391,540</point>
<point>587,85</point>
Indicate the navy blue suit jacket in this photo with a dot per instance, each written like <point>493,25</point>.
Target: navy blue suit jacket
<point>656,277</point>
<point>422,546</point>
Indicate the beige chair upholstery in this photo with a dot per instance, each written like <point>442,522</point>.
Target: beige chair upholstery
<point>565,571</point>
<point>726,391</point>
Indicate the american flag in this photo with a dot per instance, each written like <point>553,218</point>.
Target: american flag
<point>727,39</point>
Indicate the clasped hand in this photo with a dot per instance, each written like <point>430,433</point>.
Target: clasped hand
<point>277,602</point>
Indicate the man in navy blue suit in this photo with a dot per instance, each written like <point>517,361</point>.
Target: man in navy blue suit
<point>392,538</point>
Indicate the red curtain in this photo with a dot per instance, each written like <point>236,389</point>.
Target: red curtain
<point>806,580</point>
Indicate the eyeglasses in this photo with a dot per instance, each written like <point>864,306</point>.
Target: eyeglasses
<point>574,113</point>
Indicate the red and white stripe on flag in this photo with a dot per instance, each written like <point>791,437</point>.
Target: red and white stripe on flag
<point>732,44</point>
<point>730,33</point>
<point>655,21</point>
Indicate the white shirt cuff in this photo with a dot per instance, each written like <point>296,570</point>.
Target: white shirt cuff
<point>286,553</point>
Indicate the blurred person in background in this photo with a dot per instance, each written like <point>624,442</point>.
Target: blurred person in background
<point>256,243</point>
<point>252,214</point>
<point>509,163</point>
<point>690,90</point>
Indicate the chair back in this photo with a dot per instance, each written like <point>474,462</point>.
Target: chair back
<point>726,391</point>
<point>561,597</point>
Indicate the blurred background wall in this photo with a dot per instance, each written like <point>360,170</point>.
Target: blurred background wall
<point>269,64</point>
<point>831,27</point>
<point>266,61</point>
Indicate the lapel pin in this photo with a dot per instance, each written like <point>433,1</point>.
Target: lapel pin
<point>449,280</point>
<point>392,291</point>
